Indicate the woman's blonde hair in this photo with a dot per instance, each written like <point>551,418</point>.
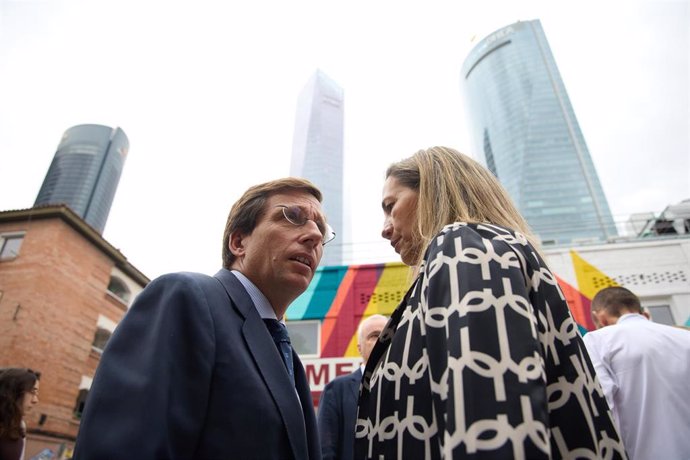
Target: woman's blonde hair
<point>452,187</point>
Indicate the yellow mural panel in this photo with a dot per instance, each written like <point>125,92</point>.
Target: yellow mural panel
<point>590,279</point>
<point>389,291</point>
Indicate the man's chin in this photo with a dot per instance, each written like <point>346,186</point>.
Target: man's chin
<point>300,281</point>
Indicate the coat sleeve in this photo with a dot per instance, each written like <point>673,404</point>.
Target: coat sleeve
<point>487,374</point>
<point>150,391</point>
<point>328,421</point>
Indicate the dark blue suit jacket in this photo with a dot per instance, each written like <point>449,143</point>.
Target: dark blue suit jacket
<point>338,416</point>
<point>192,372</point>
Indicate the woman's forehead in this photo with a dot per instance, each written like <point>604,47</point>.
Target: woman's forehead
<point>392,188</point>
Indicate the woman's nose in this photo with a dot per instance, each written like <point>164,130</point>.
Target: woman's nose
<point>387,229</point>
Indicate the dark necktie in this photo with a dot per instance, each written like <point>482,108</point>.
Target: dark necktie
<point>282,340</point>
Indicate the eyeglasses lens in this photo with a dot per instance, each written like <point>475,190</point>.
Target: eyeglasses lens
<point>296,216</point>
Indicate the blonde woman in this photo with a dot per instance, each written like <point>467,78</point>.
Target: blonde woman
<point>482,358</point>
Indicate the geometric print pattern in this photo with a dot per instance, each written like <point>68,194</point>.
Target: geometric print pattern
<point>482,359</point>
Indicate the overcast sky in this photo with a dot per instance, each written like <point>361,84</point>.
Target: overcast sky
<point>206,92</point>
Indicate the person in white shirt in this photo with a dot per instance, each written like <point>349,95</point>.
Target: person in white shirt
<point>644,370</point>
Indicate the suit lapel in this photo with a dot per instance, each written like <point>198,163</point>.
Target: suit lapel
<point>268,361</point>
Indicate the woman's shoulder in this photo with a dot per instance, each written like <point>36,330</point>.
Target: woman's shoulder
<point>478,232</point>
<point>482,241</point>
<point>11,448</point>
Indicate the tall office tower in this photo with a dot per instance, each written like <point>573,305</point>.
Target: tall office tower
<point>317,152</point>
<point>85,172</point>
<point>524,124</point>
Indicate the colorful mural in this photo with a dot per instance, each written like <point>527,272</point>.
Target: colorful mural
<point>340,297</point>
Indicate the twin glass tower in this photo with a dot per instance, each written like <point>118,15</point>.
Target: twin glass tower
<point>85,172</point>
<point>522,123</point>
<point>317,152</point>
<point>525,127</point>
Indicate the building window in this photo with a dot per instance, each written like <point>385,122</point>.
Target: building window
<point>9,246</point>
<point>305,337</point>
<point>81,402</point>
<point>661,314</point>
<point>119,289</point>
<point>104,329</point>
<point>100,339</point>
<point>84,387</point>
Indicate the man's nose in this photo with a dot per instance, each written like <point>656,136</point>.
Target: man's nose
<point>312,232</point>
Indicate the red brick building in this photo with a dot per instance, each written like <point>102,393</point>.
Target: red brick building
<point>63,288</point>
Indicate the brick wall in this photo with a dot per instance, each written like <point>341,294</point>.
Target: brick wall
<point>51,297</point>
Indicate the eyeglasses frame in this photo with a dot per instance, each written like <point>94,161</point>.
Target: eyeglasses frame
<point>328,230</point>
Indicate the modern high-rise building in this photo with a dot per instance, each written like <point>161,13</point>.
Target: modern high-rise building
<point>317,152</point>
<point>524,125</point>
<point>85,172</point>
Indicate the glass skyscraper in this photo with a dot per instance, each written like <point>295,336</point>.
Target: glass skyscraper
<point>317,152</point>
<point>524,125</point>
<point>85,172</point>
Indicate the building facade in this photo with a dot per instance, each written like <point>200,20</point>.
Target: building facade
<point>85,172</point>
<point>317,152</point>
<point>524,128</point>
<point>63,289</point>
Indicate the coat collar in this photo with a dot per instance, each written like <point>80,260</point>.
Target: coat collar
<point>269,363</point>
<point>355,379</point>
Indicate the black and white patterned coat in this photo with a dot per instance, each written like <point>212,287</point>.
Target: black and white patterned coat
<point>483,360</point>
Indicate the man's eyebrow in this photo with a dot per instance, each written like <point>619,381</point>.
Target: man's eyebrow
<point>321,216</point>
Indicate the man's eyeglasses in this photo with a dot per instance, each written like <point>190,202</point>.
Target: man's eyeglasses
<point>298,216</point>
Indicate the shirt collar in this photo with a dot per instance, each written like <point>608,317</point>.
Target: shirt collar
<point>263,306</point>
<point>630,316</point>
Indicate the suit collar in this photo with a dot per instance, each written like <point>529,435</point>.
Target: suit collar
<point>269,363</point>
<point>355,379</point>
<point>237,293</point>
<point>263,306</point>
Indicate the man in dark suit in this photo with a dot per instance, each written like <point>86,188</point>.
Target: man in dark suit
<point>192,371</point>
<point>338,404</point>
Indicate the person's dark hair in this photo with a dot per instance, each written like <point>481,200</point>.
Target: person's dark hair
<point>247,211</point>
<point>14,383</point>
<point>616,301</point>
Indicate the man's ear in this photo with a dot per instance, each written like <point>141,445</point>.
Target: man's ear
<point>605,319</point>
<point>601,319</point>
<point>237,244</point>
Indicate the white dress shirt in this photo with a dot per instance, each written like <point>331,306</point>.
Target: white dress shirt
<point>644,370</point>
<point>263,306</point>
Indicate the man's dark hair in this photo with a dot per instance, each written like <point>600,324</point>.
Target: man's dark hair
<point>616,301</point>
